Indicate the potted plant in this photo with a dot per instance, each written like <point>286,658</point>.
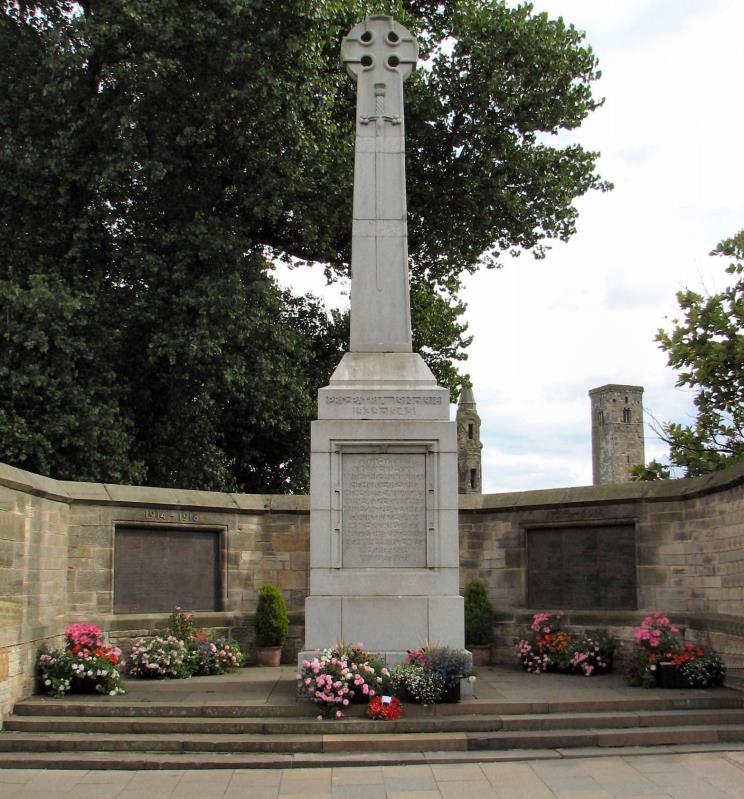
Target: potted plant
<point>271,624</point>
<point>478,622</point>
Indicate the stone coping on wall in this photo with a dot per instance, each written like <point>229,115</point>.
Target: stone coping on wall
<point>112,494</point>
<point>710,622</point>
<point>151,623</point>
<point>78,493</point>
<point>646,491</point>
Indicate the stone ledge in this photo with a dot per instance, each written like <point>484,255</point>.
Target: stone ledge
<point>655,491</point>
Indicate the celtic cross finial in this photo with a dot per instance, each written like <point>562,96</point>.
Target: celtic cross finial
<point>379,54</point>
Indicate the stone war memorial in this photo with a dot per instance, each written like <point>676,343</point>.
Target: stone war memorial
<point>384,557</point>
<point>395,531</point>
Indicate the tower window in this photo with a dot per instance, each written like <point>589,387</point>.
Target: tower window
<point>473,477</point>
<point>626,400</point>
<point>601,416</point>
<point>471,430</point>
<point>626,414</point>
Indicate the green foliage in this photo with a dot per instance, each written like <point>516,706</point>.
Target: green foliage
<point>271,621</point>
<point>651,471</point>
<point>707,345</point>
<point>478,614</point>
<point>158,156</point>
<point>181,625</point>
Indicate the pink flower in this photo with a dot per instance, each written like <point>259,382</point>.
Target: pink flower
<point>339,714</point>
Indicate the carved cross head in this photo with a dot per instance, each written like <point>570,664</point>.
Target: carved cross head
<point>379,53</point>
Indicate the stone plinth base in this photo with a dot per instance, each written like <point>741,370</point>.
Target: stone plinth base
<point>384,554</point>
<point>384,624</point>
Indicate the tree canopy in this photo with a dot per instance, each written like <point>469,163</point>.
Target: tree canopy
<point>707,345</point>
<point>159,155</point>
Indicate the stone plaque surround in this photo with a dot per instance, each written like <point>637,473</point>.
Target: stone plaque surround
<point>154,569</point>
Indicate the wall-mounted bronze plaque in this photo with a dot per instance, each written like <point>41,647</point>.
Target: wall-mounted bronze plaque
<point>583,568</point>
<point>156,569</point>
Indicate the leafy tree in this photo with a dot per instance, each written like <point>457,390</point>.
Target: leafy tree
<point>653,470</point>
<point>157,156</point>
<point>707,344</point>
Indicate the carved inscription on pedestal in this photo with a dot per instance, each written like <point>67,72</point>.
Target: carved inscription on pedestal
<point>384,510</point>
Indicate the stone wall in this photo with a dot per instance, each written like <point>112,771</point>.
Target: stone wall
<point>57,557</point>
<point>34,523</point>
<point>689,540</point>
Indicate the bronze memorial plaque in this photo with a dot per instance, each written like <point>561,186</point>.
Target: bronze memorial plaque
<point>157,568</point>
<point>582,567</point>
<point>383,510</point>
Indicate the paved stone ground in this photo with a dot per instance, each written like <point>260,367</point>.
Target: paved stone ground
<point>718,775</point>
<point>276,686</point>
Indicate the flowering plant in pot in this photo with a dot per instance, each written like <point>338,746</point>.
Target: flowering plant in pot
<point>183,652</point>
<point>341,675</point>
<point>659,658</point>
<point>432,674</point>
<point>549,646</point>
<point>85,664</point>
<point>478,622</point>
<point>271,624</point>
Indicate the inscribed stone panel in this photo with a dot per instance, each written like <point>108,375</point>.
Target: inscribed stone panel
<point>582,568</point>
<point>156,569</point>
<point>383,510</point>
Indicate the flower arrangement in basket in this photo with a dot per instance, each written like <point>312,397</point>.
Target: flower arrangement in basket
<point>85,665</point>
<point>432,674</point>
<point>340,675</point>
<point>547,646</point>
<point>386,708</point>
<point>659,658</point>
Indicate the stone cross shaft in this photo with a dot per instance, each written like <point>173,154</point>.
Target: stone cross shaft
<point>379,54</point>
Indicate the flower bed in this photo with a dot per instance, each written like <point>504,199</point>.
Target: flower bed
<point>184,652</point>
<point>660,658</point>
<point>85,665</point>
<point>547,646</point>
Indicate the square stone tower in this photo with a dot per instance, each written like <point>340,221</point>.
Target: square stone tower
<point>617,432</point>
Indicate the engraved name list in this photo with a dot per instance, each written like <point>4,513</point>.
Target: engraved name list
<point>384,510</point>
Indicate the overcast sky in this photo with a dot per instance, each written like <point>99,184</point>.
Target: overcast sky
<point>547,331</point>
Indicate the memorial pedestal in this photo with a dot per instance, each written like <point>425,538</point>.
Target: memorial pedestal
<point>384,554</point>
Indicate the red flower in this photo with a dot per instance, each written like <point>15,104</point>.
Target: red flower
<point>388,711</point>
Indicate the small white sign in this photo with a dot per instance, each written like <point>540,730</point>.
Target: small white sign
<point>386,700</point>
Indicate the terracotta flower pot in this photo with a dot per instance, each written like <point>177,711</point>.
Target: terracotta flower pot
<point>481,654</point>
<point>268,655</point>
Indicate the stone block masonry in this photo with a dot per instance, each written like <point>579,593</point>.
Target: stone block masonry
<point>58,558</point>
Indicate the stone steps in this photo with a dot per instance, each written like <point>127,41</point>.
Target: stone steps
<point>154,725</point>
<point>94,733</point>
<point>100,706</point>
<point>371,742</point>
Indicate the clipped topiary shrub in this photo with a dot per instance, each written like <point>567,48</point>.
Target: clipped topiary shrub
<point>271,622</point>
<point>478,615</point>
